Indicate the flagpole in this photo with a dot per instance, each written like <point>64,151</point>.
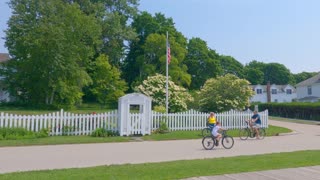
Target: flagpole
<point>167,68</point>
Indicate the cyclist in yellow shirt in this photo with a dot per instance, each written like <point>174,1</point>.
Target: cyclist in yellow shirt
<point>212,120</point>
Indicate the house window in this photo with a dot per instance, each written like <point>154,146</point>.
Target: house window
<point>289,91</point>
<point>259,91</point>
<point>309,90</point>
<point>273,91</point>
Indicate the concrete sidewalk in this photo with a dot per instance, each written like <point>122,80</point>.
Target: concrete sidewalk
<point>302,173</point>
<point>12,159</point>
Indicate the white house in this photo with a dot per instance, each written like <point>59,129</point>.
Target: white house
<point>4,95</point>
<point>309,90</point>
<point>273,93</point>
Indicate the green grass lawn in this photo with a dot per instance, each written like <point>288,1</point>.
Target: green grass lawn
<point>179,169</point>
<point>174,135</point>
<point>54,140</point>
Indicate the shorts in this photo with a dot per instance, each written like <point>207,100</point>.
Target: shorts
<point>211,126</point>
<point>215,134</point>
<point>255,125</point>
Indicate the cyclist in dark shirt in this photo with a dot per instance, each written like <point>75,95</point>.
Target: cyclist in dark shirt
<point>255,123</point>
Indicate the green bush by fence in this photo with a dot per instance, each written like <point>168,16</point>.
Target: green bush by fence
<point>296,110</point>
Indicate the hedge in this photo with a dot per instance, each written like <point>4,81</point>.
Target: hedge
<point>296,110</point>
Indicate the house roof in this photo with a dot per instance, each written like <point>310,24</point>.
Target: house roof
<point>310,81</point>
<point>4,57</point>
<point>279,87</point>
<point>307,98</point>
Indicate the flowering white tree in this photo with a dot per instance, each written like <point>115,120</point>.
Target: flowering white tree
<point>155,87</point>
<point>225,93</point>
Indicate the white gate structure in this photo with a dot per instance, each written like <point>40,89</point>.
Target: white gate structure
<point>130,123</point>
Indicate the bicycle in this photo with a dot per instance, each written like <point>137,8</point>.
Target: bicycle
<point>206,131</point>
<point>208,142</point>
<point>249,132</point>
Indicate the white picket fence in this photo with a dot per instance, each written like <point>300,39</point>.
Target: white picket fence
<point>66,123</point>
<point>195,120</point>
<point>62,123</point>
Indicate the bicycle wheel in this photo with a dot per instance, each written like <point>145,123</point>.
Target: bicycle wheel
<point>227,142</point>
<point>208,142</point>
<point>262,133</point>
<point>206,132</point>
<point>244,134</point>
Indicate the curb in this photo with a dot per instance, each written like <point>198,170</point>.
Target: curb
<point>289,133</point>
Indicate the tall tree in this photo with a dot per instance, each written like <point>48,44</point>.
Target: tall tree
<point>154,59</point>
<point>277,74</point>
<point>114,17</point>
<point>299,77</point>
<point>107,85</point>
<point>231,66</point>
<point>50,43</point>
<point>256,65</point>
<point>254,76</point>
<point>201,62</point>
<point>150,48</point>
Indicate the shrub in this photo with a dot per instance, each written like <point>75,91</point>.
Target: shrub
<point>163,128</point>
<point>297,110</point>
<point>99,132</point>
<point>66,130</point>
<point>155,87</point>
<point>21,133</point>
<point>161,109</point>
<point>42,133</point>
<point>113,133</point>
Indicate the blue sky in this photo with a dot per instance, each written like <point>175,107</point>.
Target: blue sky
<point>283,31</point>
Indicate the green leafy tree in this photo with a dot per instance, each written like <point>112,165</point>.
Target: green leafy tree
<point>254,72</point>
<point>50,43</point>
<point>231,66</point>
<point>256,65</point>
<point>299,77</point>
<point>113,16</point>
<point>201,63</point>
<point>277,74</point>
<point>147,54</point>
<point>155,87</point>
<point>254,76</point>
<point>107,85</point>
<point>154,60</point>
<point>225,93</point>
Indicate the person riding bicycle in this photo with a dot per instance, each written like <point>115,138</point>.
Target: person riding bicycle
<point>212,120</point>
<point>215,132</point>
<point>255,123</point>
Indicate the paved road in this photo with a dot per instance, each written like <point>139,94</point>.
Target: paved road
<point>305,137</point>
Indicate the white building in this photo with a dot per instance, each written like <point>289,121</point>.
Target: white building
<point>309,90</point>
<point>273,93</point>
<point>4,95</point>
